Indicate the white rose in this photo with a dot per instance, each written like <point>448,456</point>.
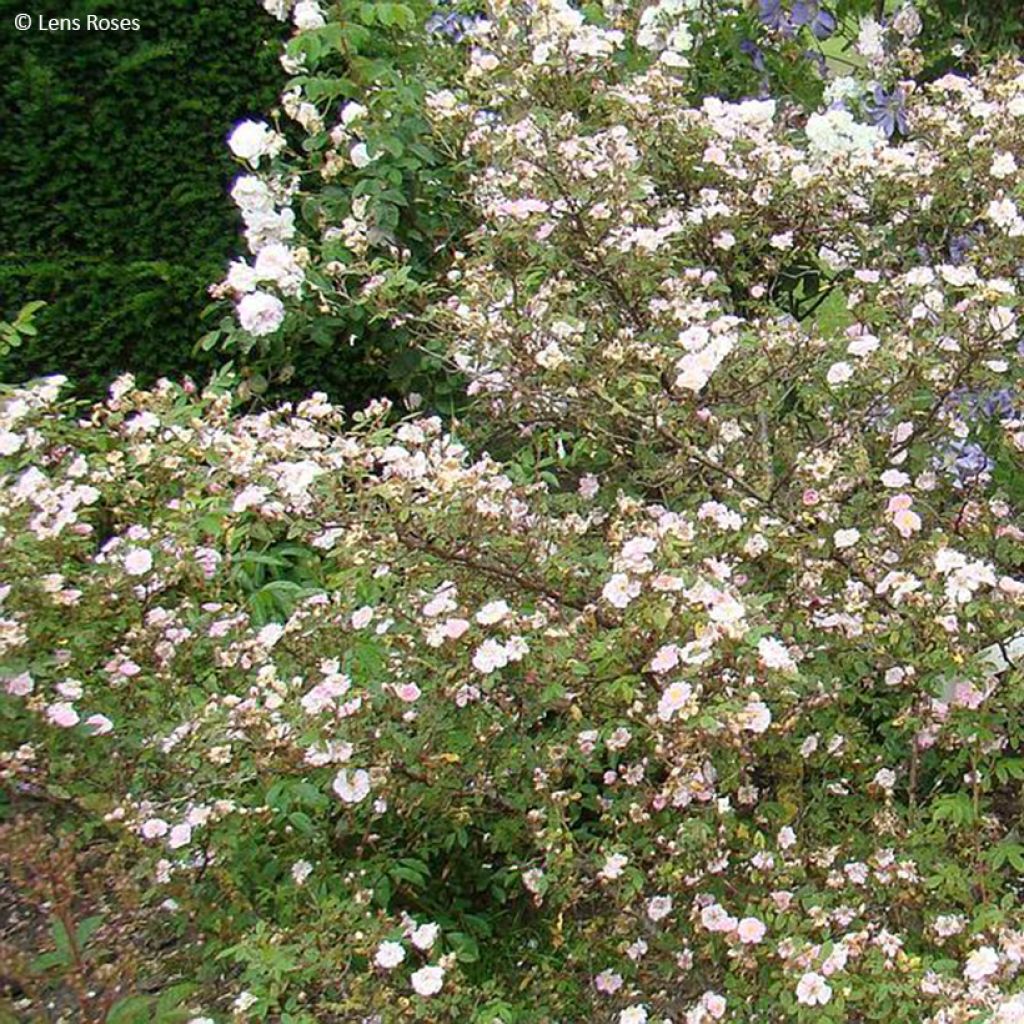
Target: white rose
<point>389,955</point>
<point>241,277</point>
<point>360,156</point>
<point>427,981</point>
<point>252,140</point>
<point>260,313</point>
<point>839,373</point>
<point>351,112</point>
<point>307,15</point>
<point>846,538</point>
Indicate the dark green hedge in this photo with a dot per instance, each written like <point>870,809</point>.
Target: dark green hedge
<point>113,177</point>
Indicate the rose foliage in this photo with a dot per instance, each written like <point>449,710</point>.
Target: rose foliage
<point>698,698</point>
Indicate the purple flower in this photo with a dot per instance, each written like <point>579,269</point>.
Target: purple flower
<point>772,15</point>
<point>821,21</point>
<point>750,49</point>
<point>1000,405</point>
<point>967,462</point>
<point>888,110</point>
<point>450,24</point>
<point>959,247</point>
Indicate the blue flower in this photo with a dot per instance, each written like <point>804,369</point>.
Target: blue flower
<point>754,52</point>
<point>821,21</point>
<point>772,15</point>
<point>1000,405</point>
<point>888,110</point>
<point>967,462</point>
<point>959,247</point>
<point>450,24</point>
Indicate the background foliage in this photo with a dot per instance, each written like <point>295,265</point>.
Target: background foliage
<point>113,178</point>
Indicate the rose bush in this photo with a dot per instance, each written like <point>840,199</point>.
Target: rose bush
<point>678,680</point>
<point>361,206</point>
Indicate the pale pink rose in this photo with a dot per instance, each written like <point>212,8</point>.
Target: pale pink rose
<point>845,538</point>
<point>154,828</point>
<point>750,930</point>
<point>490,656</point>
<point>181,835</point>
<point>63,714</point>
<point>906,521</point>
<point>633,1015</point>
<point>717,919</point>
<point>608,982</point>
<point>774,654</point>
<point>354,788</point>
<point>673,699</point>
<point>659,907</point>
<point>424,936</point>
<point>20,685</point>
<point>454,628</point>
<point>492,613</point>
<point>408,692</point>
<point>756,717</point>
<point>714,1004</point>
<point>99,725</point>
<point>620,590</point>
<point>895,478</point>
<point>665,659</point>
<point>982,962</point>
<point>137,561</point>
<point>813,990</point>
<point>362,617</point>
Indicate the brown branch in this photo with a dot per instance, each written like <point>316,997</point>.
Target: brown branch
<point>505,574</point>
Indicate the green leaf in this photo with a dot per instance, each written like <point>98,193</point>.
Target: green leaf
<point>86,929</point>
<point>131,1010</point>
<point>466,948</point>
<point>62,940</point>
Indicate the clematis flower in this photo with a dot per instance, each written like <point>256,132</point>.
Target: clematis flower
<point>888,110</point>
<point>818,19</point>
<point>772,14</point>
